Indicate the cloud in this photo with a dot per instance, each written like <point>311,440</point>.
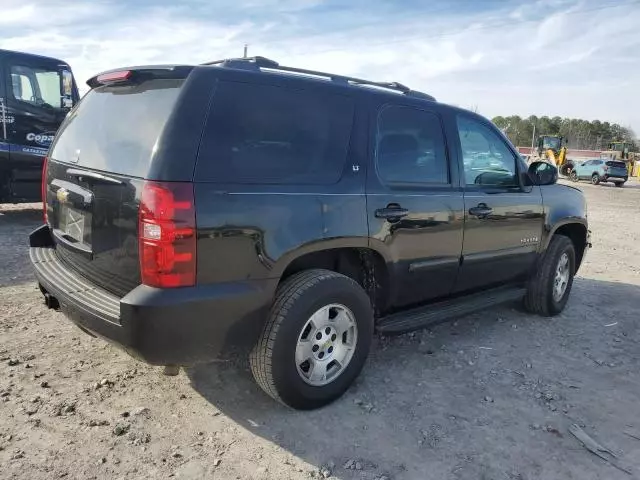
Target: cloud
<point>549,57</point>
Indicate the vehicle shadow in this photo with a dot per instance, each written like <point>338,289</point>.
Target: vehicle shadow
<point>631,184</point>
<point>423,398</point>
<point>16,222</point>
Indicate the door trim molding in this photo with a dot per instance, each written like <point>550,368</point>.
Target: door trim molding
<point>433,263</point>
<point>505,252</point>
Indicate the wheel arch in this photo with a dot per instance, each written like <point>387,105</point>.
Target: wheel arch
<point>350,257</point>
<point>577,231</point>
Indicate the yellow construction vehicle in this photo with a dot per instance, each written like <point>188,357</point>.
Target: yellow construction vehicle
<point>623,151</point>
<point>552,149</point>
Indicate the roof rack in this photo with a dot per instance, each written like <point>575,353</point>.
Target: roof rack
<point>262,63</point>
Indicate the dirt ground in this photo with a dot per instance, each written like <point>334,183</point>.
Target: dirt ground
<point>489,396</point>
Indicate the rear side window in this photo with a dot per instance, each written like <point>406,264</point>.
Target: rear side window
<point>410,147</point>
<point>262,134</point>
<point>115,128</point>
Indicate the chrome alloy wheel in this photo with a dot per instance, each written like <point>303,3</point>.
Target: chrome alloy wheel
<point>326,344</point>
<point>561,279</point>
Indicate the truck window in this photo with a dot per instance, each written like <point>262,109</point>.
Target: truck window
<point>37,86</point>
<point>410,147</point>
<point>115,128</point>
<point>487,159</point>
<point>262,134</point>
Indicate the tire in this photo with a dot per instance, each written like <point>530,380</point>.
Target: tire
<point>619,184</point>
<point>274,358</point>
<point>595,179</point>
<point>573,176</point>
<point>540,298</point>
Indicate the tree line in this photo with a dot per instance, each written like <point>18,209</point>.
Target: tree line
<point>579,134</point>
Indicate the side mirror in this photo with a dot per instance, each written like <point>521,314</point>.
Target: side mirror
<point>543,173</point>
<point>66,89</point>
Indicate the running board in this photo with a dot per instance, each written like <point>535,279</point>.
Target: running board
<point>421,317</point>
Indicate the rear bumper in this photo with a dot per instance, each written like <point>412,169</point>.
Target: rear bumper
<point>180,326</point>
<point>615,178</point>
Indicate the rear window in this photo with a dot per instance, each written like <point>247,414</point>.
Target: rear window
<point>114,129</point>
<point>616,164</point>
<point>260,134</point>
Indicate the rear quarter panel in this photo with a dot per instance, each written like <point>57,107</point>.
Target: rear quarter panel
<point>252,232</point>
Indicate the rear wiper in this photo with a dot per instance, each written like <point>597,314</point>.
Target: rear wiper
<point>74,172</point>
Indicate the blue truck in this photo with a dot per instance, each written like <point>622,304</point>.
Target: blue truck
<point>36,93</point>
<point>601,170</point>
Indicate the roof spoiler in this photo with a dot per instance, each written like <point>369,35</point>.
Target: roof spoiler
<point>127,75</point>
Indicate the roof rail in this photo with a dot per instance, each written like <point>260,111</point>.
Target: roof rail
<point>262,63</point>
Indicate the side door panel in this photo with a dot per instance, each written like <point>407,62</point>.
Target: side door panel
<point>503,219</point>
<point>583,169</point>
<point>4,124</point>
<point>503,245</point>
<point>422,247</point>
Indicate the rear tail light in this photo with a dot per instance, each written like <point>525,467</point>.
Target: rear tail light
<point>167,234</point>
<point>43,189</point>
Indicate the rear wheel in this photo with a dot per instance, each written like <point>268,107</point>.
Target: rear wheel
<point>315,341</point>
<point>573,176</point>
<point>619,184</point>
<point>548,290</point>
<point>595,179</point>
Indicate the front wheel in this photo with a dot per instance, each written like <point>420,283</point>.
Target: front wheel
<point>573,176</point>
<point>619,184</point>
<point>595,179</point>
<point>315,341</point>
<point>548,290</point>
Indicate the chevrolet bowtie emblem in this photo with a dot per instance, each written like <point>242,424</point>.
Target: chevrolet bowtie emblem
<point>62,195</point>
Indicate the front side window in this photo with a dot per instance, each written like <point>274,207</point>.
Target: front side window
<point>487,159</point>
<point>37,86</point>
<point>410,147</point>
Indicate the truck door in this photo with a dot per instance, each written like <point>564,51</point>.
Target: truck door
<point>415,211</point>
<point>4,125</point>
<point>503,218</point>
<point>36,103</point>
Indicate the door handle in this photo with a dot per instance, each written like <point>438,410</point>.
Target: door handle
<point>391,213</point>
<point>481,211</point>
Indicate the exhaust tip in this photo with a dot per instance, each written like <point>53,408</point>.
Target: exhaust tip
<point>51,302</point>
<point>171,370</point>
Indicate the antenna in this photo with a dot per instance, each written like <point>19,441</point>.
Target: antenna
<point>246,50</point>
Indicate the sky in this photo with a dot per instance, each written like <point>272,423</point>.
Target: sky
<point>574,58</point>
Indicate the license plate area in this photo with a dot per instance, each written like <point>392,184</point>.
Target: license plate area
<point>72,224</point>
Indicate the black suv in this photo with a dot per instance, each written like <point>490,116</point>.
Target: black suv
<point>194,210</point>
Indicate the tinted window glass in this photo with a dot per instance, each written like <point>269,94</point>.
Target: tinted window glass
<point>267,134</point>
<point>617,164</point>
<point>114,129</point>
<point>410,147</point>
<point>487,158</point>
<point>38,86</point>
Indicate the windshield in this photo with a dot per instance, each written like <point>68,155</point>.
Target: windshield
<point>551,142</point>
<point>37,86</point>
